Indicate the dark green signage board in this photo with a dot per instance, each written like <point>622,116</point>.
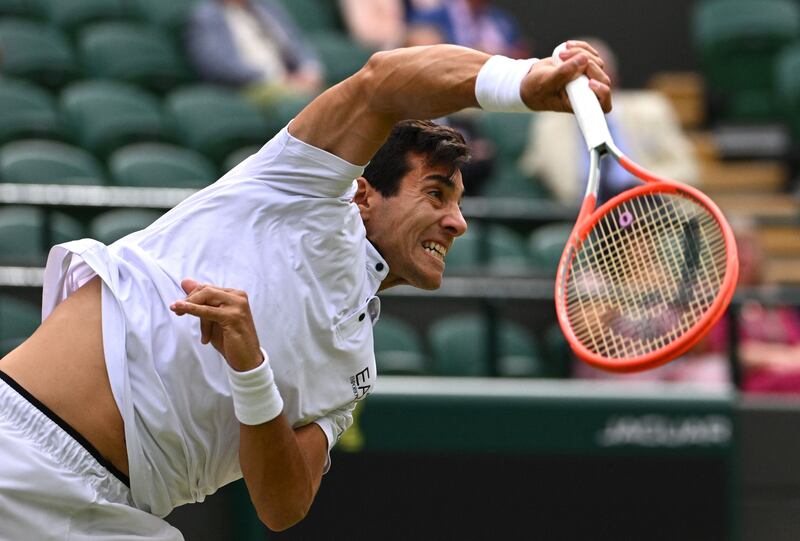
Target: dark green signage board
<point>475,459</point>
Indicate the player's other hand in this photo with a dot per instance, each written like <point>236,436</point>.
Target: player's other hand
<point>544,88</point>
<point>225,321</point>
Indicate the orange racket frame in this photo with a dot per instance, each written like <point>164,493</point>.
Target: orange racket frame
<point>595,130</point>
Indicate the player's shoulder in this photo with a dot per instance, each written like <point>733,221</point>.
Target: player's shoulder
<point>294,166</point>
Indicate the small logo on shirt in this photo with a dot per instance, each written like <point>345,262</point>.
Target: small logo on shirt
<point>359,384</point>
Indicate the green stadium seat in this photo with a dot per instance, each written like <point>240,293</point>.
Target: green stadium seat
<point>37,52</point>
<point>507,131</point>
<point>787,80</point>
<point>48,162</point>
<point>18,320</point>
<point>509,181</point>
<point>170,15</point>
<point>738,42</point>
<point>314,15</point>
<point>238,156</point>
<point>214,121</point>
<point>398,348</point>
<point>71,15</point>
<point>282,110</point>
<point>340,55</point>
<point>459,346</point>
<point>111,226</point>
<point>102,116</point>
<point>27,110</point>
<point>160,165</point>
<point>546,244</point>
<point>557,352</point>
<point>25,238</point>
<point>28,9</point>
<point>134,53</point>
<point>504,252</point>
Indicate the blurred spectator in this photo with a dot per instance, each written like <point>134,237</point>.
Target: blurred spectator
<point>471,23</point>
<point>643,125</point>
<point>375,24</point>
<point>253,45</point>
<point>768,340</point>
<point>382,24</point>
<point>768,335</point>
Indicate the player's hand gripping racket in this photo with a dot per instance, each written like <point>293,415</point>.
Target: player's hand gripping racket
<point>646,275</point>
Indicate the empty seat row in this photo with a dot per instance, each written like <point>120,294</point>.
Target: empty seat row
<point>311,15</point>
<point>27,233</point>
<point>499,249</point>
<point>133,52</point>
<point>101,116</point>
<point>140,164</point>
<point>739,43</point>
<point>459,346</point>
<point>71,15</point>
<point>18,319</point>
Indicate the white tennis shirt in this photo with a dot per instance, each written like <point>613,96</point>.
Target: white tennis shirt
<point>279,226</point>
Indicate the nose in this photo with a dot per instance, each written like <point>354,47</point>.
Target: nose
<point>454,222</point>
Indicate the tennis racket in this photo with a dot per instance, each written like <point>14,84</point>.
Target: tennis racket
<point>646,275</point>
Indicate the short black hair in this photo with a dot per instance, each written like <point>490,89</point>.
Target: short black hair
<point>436,144</point>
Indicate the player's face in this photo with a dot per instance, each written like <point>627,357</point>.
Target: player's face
<point>414,229</point>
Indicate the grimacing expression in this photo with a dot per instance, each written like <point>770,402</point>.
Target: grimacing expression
<point>414,229</point>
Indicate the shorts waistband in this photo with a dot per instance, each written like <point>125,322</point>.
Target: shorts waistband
<point>50,432</point>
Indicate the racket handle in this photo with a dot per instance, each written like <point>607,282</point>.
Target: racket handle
<point>587,108</point>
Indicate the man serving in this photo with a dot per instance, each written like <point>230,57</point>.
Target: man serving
<point>117,409</point>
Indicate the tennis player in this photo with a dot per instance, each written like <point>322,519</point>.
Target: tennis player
<point>155,379</point>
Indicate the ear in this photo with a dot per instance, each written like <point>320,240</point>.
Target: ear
<point>365,197</point>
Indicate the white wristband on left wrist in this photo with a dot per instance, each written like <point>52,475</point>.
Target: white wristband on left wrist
<point>256,399</point>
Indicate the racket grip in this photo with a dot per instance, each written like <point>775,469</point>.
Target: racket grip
<point>587,108</point>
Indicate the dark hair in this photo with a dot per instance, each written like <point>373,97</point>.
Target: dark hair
<point>438,145</point>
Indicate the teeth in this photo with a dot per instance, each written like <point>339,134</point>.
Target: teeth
<point>435,248</point>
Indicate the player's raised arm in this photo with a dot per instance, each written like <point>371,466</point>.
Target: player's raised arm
<point>353,119</point>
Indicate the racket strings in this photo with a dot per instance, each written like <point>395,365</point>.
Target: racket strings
<point>645,274</point>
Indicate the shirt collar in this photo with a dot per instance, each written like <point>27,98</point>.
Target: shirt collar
<point>377,268</point>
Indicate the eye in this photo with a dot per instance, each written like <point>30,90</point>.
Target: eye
<point>436,194</point>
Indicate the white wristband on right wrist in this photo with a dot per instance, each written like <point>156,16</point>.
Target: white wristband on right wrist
<point>497,87</point>
<point>256,399</point>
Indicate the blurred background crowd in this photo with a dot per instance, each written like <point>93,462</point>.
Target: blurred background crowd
<point>166,96</point>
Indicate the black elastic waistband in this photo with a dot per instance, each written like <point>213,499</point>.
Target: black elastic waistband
<point>74,434</point>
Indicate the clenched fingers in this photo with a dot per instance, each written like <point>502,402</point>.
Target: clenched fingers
<point>225,321</point>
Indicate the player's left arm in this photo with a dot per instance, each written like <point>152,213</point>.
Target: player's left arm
<point>282,467</point>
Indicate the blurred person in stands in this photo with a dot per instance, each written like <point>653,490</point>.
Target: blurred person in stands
<point>479,25</point>
<point>376,24</point>
<point>768,338</point>
<point>253,45</point>
<point>382,24</point>
<point>644,126</point>
<point>472,23</point>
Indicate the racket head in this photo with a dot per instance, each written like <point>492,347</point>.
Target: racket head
<point>645,276</point>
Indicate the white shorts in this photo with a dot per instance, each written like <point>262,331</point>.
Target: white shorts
<point>52,486</point>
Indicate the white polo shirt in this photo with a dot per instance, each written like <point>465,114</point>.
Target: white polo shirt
<point>281,227</point>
